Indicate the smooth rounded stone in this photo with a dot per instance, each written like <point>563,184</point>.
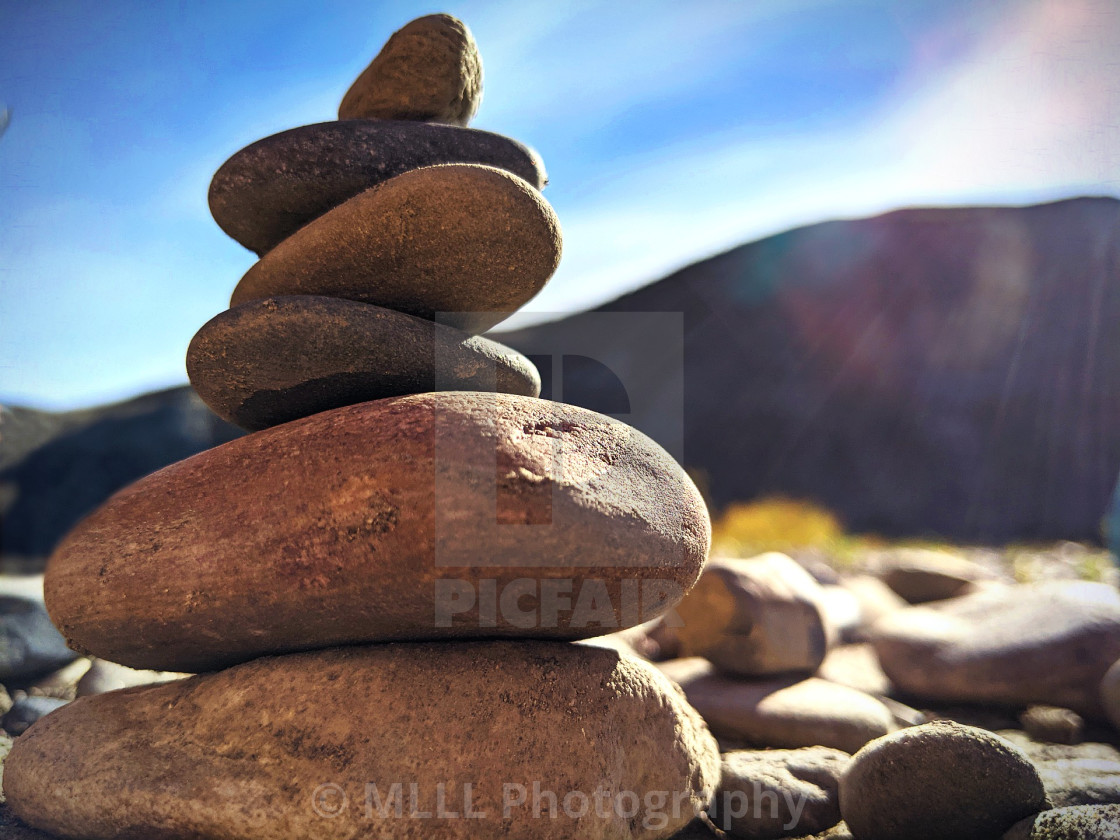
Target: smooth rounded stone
<point>246,752</point>
<point>448,515</point>
<point>781,713</point>
<point>766,794</point>
<point>755,617</point>
<point>104,676</point>
<point>875,599</point>
<point>939,781</point>
<point>29,644</point>
<point>429,69</point>
<point>26,711</point>
<point>1083,822</point>
<point>1053,724</point>
<point>920,575</point>
<point>1048,643</point>
<point>464,244</point>
<point>270,361</point>
<point>273,187</point>
<point>855,666</point>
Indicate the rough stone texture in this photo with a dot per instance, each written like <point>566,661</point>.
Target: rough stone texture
<point>920,575</point>
<point>29,643</point>
<point>1084,822</point>
<point>248,747</point>
<point>463,243</point>
<point>55,467</point>
<point>1073,774</point>
<point>104,676</point>
<point>275,186</point>
<point>1048,643</point>
<point>939,781</point>
<point>274,360</point>
<point>917,373</point>
<point>325,531</point>
<point>778,793</point>
<point>783,713</point>
<point>429,69</point>
<point>755,617</point>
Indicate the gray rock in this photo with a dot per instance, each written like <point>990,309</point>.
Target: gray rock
<point>104,676</point>
<point>1084,822</point>
<point>29,644</point>
<point>272,188</point>
<point>939,781</point>
<point>1048,643</point>
<point>1073,774</point>
<point>755,617</point>
<point>769,794</point>
<point>855,666</point>
<point>27,710</point>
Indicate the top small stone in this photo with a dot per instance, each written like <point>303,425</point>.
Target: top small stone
<point>429,70</point>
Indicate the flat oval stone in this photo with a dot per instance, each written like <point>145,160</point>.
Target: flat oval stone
<point>273,187</point>
<point>1048,643</point>
<point>785,713</point>
<point>463,243</point>
<point>429,69</point>
<point>331,743</point>
<point>270,361</point>
<point>939,781</point>
<point>446,515</point>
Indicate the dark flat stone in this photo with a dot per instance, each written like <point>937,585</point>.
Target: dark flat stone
<point>270,361</point>
<point>270,189</point>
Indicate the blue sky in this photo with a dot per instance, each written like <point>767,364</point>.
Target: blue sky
<point>670,131</point>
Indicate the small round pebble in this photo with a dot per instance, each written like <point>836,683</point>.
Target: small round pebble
<point>939,781</point>
<point>428,70</point>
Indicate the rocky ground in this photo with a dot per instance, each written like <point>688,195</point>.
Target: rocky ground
<point>897,692</point>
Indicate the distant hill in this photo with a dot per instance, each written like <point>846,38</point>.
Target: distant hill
<point>56,467</point>
<point>942,372</point>
<point>951,372</point>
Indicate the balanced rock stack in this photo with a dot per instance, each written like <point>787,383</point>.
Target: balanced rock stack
<point>381,580</point>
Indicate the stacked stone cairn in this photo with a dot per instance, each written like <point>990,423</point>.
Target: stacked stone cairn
<point>378,586</point>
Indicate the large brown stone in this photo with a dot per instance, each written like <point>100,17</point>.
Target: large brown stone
<point>429,69</point>
<point>447,515</point>
<point>463,243</point>
<point>1047,643</point>
<point>288,746</point>
<point>270,361</point>
<point>273,187</point>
